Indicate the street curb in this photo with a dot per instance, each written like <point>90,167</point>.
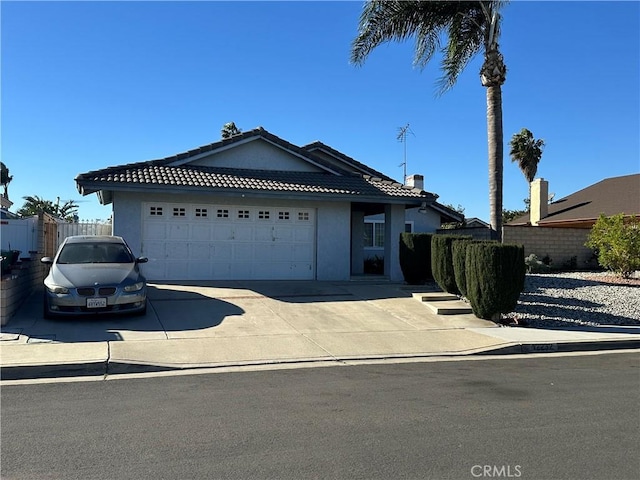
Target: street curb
<point>104,368</point>
<point>33,372</point>
<point>564,347</point>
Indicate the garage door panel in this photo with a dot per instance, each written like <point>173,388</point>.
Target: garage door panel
<point>243,233</point>
<point>304,233</point>
<point>177,270</point>
<point>199,270</point>
<point>177,250</point>
<point>199,251</point>
<point>243,252</point>
<point>178,232</point>
<point>222,232</point>
<point>201,233</point>
<point>264,233</point>
<point>222,251</point>
<point>301,253</point>
<point>210,242</point>
<point>302,270</point>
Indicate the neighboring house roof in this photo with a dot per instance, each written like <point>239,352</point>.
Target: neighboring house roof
<point>475,222</point>
<point>610,196</point>
<point>346,180</point>
<point>447,214</point>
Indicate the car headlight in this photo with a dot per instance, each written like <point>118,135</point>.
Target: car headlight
<point>134,288</point>
<point>57,289</point>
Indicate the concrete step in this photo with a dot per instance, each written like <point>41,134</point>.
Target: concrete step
<point>434,296</point>
<point>449,307</point>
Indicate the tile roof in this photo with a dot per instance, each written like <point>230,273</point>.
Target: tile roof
<point>365,169</point>
<point>232,179</point>
<point>175,172</point>
<point>609,197</point>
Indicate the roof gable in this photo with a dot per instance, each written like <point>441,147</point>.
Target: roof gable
<point>255,154</point>
<point>255,149</point>
<point>253,163</point>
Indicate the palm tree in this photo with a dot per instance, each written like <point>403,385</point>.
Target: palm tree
<point>470,28</point>
<point>5,179</point>
<point>527,151</point>
<point>229,130</point>
<point>34,204</point>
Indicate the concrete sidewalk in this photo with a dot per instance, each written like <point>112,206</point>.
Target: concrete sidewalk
<point>216,324</point>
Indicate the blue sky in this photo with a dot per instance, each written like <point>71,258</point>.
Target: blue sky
<point>87,85</point>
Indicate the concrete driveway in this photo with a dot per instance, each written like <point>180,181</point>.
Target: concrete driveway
<point>216,323</point>
<point>213,324</point>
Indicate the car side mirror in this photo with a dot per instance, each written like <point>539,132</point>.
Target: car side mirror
<point>142,260</point>
<point>47,260</point>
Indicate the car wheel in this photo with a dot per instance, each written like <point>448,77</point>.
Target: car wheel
<point>46,313</point>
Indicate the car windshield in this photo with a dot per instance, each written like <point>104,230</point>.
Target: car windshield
<point>94,253</point>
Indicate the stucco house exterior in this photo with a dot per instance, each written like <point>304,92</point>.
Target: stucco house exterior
<point>254,206</point>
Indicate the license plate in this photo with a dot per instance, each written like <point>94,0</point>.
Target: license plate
<point>96,302</point>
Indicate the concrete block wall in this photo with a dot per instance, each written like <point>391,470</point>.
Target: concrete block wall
<point>16,287</point>
<point>559,244</point>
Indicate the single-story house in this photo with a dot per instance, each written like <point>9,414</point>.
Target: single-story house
<point>581,209</point>
<point>254,206</point>
<point>558,230</point>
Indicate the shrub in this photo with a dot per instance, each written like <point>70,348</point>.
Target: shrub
<point>495,278</point>
<point>536,266</point>
<point>415,257</point>
<point>458,255</point>
<point>374,265</point>
<point>617,243</point>
<point>442,261</point>
<point>571,264</point>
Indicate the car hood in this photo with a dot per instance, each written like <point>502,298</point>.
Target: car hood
<point>83,275</point>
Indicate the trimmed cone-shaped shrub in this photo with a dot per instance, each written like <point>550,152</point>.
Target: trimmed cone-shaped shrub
<point>495,278</point>
<point>415,257</point>
<point>458,255</point>
<point>442,262</point>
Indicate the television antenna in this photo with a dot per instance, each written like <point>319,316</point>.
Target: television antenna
<point>402,137</point>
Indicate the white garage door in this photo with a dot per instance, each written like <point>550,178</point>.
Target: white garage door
<point>211,242</point>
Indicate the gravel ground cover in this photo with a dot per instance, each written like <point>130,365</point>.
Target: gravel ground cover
<point>577,299</point>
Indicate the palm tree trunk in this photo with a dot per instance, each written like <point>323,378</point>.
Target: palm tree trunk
<point>495,141</point>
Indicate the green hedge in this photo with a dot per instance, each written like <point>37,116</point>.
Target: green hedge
<point>458,255</point>
<point>442,261</point>
<point>495,278</point>
<point>415,257</point>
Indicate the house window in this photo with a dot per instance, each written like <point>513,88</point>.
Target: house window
<point>155,211</point>
<point>303,216</point>
<point>283,215</point>
<point>264,214</point>
<point>179,212</point>
<point>243,213</point>
<point>374,234</point>
<point>222,213</point>
<point>201,212</point>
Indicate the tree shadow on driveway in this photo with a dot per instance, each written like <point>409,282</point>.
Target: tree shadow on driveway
<point>167,311</point>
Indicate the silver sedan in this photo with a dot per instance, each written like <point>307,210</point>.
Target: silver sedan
<point>94,275</point>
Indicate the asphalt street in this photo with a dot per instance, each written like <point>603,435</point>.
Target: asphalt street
<point>547,417</point>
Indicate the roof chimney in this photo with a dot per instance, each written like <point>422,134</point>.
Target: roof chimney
<point>416,181</point>
<point>539,206</point>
